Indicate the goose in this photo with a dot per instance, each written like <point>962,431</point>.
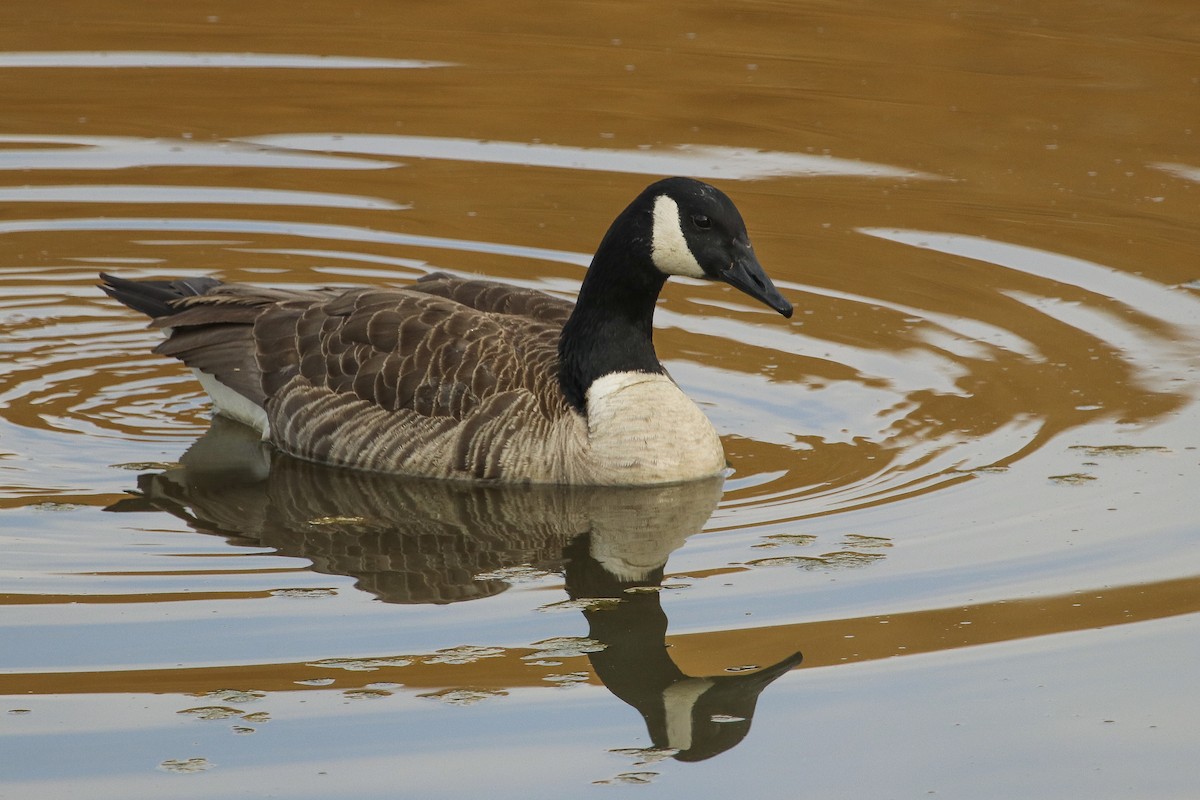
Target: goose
<point>470,379</point>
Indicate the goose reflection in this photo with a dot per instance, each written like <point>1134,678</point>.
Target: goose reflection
<point>420,541</point>
<point>695,717</point>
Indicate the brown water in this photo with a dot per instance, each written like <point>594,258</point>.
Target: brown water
<point>963,474</point>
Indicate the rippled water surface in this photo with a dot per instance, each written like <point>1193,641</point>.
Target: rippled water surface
<point>957,553</point>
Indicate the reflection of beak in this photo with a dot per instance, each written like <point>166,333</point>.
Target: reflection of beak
<point>747,275</point>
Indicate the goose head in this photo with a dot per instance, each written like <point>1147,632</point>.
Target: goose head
<point>697,232</point>
<point>676,226</point>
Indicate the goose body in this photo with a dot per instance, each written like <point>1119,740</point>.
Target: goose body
<point>471,379</point>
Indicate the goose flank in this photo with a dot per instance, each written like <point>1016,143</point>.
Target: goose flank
<point>471,379</point>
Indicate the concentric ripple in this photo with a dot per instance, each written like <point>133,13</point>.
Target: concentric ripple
<point>74,367</point>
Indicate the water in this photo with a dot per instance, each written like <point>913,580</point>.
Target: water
<point>957,551</point>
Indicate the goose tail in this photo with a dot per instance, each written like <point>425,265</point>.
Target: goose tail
<point>154,298</point>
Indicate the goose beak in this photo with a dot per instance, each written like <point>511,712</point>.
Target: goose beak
<point>746,274</point>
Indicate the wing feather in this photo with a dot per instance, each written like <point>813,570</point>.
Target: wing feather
<point>400,349</point>
<point>372,377</point>
<point>497,298</point>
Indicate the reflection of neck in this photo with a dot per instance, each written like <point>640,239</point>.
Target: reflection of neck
<point>634,664</point>
<point>679,701</point>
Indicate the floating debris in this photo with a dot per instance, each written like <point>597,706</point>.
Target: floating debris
<point>233,695</point>
<point>464,697</point>
<point>315,682</point>
<point>583,604</point>
<point>1118,449</point>
<point>838,560</point>
<point>789,539</point>
<point>726,718</point>
<point>629,778</point>
<point>54,505</point>
<point>465,654</point>
<point>862,540</point>
<point>360,664</point>
<point>804,562</point>
<point>564,647</point>
<point>646,755</point>
<point>568,679</point>
<point>303,593</point>
<point>366,694</point>
<point>1073,479</point>
<point>257,716</point>
<point>184,766</point>
<point>213,712</point>
<point>850,558</point>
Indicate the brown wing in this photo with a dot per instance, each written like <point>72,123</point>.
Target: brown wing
<point>438,349</point>
<point>214,332</point>
<point>434,379</point>
<point>403,350</point>
<point>497,298</point>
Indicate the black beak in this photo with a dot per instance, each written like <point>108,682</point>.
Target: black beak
<point>747,274</point>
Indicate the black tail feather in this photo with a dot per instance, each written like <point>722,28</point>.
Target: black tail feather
<point>154,298</point>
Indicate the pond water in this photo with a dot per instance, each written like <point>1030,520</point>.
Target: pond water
<point>956,554</point>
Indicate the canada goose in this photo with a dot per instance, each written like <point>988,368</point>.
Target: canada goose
<point>472,379</point>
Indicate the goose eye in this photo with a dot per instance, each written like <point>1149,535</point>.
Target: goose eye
<point>702,222</point>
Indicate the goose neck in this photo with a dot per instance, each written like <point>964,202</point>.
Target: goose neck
<point>611,328</point>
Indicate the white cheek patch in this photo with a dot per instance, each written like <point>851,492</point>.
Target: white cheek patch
<point>679,700</point>
<point>669,249</point>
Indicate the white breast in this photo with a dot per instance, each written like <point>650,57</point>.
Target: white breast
<point>642,429</point>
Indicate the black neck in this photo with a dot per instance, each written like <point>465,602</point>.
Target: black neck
<point>611,327</point>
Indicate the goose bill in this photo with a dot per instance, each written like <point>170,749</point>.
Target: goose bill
<point>747,275</point>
